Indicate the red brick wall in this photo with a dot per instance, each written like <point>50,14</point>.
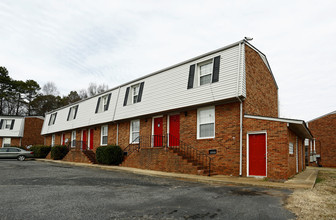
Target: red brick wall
<point>324,131</point>
<point>226,140</point>
<point>261,90</point>
<point>14,141</point>
<point>280,164</point>
<point>160,159</point>
<point>32,131</point>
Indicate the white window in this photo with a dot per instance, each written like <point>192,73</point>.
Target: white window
<point>53,140</point>
<point>72,113</point>
<point>73,138</point>
<point>135,131</point>
<point>135,93</point>
<point>52,119</point>
<point>103,103</point>
<point>206,122</point>
<point>103,136</point>
<point>6,142</point>
<point>8,124</point>
<point>291,148</point>
<point>205,72</point>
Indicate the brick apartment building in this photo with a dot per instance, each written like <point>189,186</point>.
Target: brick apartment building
<point>21,131</point>
<point>322,150</point>
<point>217,111</point>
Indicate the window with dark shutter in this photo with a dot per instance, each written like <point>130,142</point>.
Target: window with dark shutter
<point>12,124</point>
<point>98,102</point>
<point>126,96</point>
<point>52,119</point>
<point>1,122</point>
<point>76,111</point>
<point>140,91</point>
<point>106,106</point>
<point>215,73</point>
<point>191,76</point>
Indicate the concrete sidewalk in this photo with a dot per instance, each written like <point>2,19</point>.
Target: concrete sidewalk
<point>304,180</point>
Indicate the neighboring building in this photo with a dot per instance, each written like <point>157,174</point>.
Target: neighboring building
<point>217,111</point>
<point>21,131</point>
<point>322,150</point>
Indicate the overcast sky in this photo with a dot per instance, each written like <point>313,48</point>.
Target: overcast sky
<point>73,43</point>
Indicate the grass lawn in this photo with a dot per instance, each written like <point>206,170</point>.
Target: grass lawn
<point>319,202</point>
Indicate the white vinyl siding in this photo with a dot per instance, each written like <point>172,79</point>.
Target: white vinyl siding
<point>134,131</point>
<point>17,129</point>
<point>73,138</point>
<point>164,91</point>
<point>206,122</point>
<point>52,140</point>
<point>6,142</point>
<point>103,135</point>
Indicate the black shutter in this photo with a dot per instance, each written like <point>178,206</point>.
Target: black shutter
<point>76,109</point>
<point>97,107</point>
<point>50,119</point>
<point>12,124</point>
<point>1,122</point>
<point>69,114</point>
<point>55,118</point>
<point>126,96</point>
<point>215,70</point>
<point>108,102</point>
<point>191,76</point>
<point>140,91</point>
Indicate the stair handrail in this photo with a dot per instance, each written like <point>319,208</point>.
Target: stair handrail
<point>133,146</point>
<point>201,158</point>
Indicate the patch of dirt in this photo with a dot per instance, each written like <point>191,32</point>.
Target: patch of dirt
<point>318,203</point>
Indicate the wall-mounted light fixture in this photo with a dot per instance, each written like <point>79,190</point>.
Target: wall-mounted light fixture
<point>186,113</point>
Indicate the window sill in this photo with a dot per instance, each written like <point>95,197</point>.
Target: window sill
<point>205,138</point>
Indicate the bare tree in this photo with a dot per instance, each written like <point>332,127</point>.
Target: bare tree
<point>82,94</point>
<point>93,89</point>
<point>50,89</point>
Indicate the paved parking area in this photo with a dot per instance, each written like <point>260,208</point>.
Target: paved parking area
<point>35,190</point>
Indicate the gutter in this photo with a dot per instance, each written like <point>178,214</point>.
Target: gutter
<point>240,117</point>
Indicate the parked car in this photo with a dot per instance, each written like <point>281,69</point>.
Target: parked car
<point>15,153</point>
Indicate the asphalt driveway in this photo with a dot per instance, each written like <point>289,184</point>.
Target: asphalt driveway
<point>39,190</point>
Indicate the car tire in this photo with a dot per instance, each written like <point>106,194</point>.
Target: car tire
<point>21,158</point>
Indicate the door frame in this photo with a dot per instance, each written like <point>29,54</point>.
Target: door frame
<point>89,138</point>
<point>86,138</point>
<point>158,116</point>
<point>248,152</point>
<point>168,122</point>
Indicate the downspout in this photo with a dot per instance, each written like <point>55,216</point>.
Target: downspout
<point>241,117</point>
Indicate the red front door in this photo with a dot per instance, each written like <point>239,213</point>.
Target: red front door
<point>174,130</point>
<point>158,130</point>
<point>90,146</point>
<point>84,140</point>
<point>257,154</point>
<point>63,139</point>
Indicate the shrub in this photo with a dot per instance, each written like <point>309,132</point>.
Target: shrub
<point>111,155</point>
<point>59,152</point>
<point>40,151</point>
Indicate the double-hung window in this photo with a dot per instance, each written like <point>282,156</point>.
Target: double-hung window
<point>73,138</point>
<point>135,131</point>
<point>103,103</point>
<point>53,140</point>
<point>7,124</point>
<point>206,122</point>
<point>104,132</point>
<point>6,142</point>
<point>72,113</point>
<point>291,148</point>
<point>205,73</point>
<point>52,118</point>
<point>135,93</point>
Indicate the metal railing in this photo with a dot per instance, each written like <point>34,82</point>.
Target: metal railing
<point>193,155</point>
